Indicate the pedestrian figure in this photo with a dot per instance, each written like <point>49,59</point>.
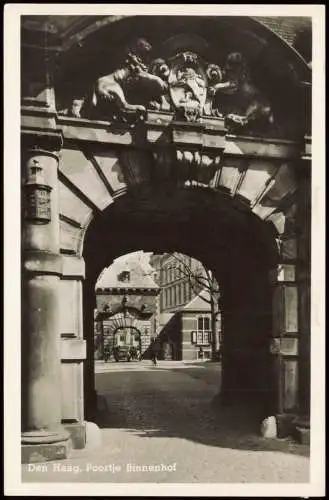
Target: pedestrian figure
<point>154,359</point>
<point>154,354</point>
<point>107,353</point>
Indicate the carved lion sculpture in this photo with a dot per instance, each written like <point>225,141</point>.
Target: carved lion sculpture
<point>238,98</point>
<point>161,99</point>
<point>109,99</point>
<point>215,76</point>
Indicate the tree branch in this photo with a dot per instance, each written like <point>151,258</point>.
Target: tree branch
<point>200,277</point>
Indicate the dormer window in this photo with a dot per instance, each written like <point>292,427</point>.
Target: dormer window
<point>124,276</point>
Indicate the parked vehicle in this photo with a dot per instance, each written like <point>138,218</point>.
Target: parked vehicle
<point>122,353</point>
<point>135,354</point>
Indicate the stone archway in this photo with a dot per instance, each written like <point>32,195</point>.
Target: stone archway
<point>131,337</point>
<point>119,324</point>
<point>133,224</point>
<point>174,167</point>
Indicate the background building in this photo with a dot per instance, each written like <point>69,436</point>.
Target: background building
<point>183,319</point>
<point>125,304</point>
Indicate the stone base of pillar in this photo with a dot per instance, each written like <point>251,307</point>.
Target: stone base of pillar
<point>283,424</point>
<point>93,437</point>
<point>43,446</point>
<point>268,428</point>
<point>77,432</point>
<point>287,425</point>
<point>84,435</point>
<point>302,435</point>
<point>301,430</point>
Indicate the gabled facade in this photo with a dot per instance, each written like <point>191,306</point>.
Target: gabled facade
<point>125,305</point>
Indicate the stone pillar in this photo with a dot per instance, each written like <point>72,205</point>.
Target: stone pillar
<point>43,437</point>
<point>284,345</point>
<point>73,348</point>
<point>90,394</point>
<point>304,290</point>
<point>246,305</point>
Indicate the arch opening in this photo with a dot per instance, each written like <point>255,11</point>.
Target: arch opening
<point>235,245</point>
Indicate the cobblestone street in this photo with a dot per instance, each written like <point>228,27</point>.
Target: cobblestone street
<point>165,417</point>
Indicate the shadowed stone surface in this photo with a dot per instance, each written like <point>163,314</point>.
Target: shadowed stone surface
<point>166,416</point>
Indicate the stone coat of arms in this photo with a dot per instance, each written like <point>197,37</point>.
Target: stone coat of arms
<point>188,85</point>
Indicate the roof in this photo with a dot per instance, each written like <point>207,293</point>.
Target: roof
<point>114,276</point>
<point>71,26</point>
<point>165,317</point>
<point>286,27</point>
<point>197,303</point>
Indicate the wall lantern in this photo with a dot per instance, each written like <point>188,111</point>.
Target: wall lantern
<point>124,306</point>
<point>37,195</point>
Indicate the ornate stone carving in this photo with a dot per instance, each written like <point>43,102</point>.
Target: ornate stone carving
<point>37,194</point>
<point>215,76</point>
<point>237,98</point>
<point>109,101</point>
<point>183,84</point>
<point>193,167</point>
<point>109,97</point>
<point>160,68</point>
<point>198,158</point>
<point>188,85</point>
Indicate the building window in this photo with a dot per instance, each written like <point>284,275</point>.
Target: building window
<point>187,291</point>
<point>179,293</point>
<point>203,323</point>
<point>124,276</point>
<point>203,331</point>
